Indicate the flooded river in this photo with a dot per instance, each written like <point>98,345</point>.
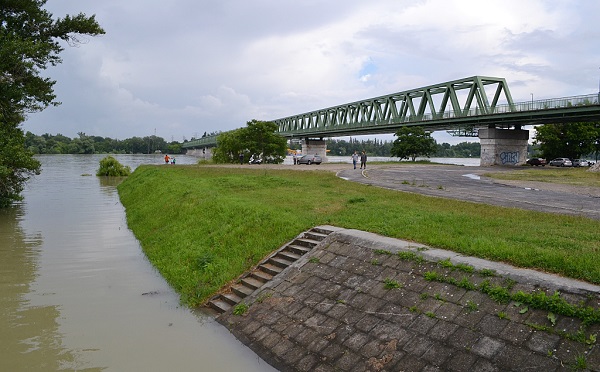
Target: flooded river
<point>77,293</point>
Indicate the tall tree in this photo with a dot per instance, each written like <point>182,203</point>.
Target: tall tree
<point>571,140</point>
<point>413,142</point>
<point>29,43</point>
<point>257,139</point>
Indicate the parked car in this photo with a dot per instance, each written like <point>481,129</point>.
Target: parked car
<point>561,162</point>
<point>580,163</point>
<point>310,159</point>
<point>536,162</point>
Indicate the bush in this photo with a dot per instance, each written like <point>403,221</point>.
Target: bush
<point>111,167</point>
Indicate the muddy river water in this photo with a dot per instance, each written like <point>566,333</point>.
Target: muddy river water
<point>77,292</point>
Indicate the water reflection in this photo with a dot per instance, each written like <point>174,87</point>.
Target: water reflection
<point>76,291</point>
<point>30,334</point>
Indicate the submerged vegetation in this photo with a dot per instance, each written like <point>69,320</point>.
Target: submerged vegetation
<point>111,167</point>
<point>202,226</point>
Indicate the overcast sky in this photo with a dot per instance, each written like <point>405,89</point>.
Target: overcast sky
<point>180,68</point>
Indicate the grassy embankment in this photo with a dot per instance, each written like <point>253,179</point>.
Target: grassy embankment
<point>203,226</point>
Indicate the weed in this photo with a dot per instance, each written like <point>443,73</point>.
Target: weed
<point>430,314</point>
<point>502,315</point>
<point>407,256</point>
<point>446,264</point>
<point>413,309</point>
<point>424,296</point>
<point>580,363</point>
<point>405,182</point>
<point>375,262</point>
<point>382,251</point>
<point>432,276</point>
<point>472,306</point>
<point>390,284</point>
<point>552,318</point>
<point>440,187</point>
<point>343,302</point>
<point>438,297</point>
<point>264,296</point>
<point>487,272</point>
<point>464,268</point>
<point>240,309</point>
<point>314,260</point>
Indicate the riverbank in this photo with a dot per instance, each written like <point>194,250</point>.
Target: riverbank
<point>362,302</point>
<point>203,226</point>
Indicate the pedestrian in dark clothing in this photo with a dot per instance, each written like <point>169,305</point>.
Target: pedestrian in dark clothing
<point>241,158</point>
<point>363,160</point>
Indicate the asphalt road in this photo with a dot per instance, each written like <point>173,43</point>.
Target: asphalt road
<point>470,184</point>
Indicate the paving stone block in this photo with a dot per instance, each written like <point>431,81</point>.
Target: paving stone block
<point>307,363</point>
<point>448,311</point>
<point>461,362</point>
<point>463,338</point>
<point>492,325</point>
<point>437,354</point>
<point>356,341</point>
<point>348,361</point>
<point>542,342</point>
<point>516,333</point>
<point>417,345</point>
<point>367,323</point>
<point>487,347</point>
<point>422,324</point>
<point>442,330</point>
<point>386,331</point>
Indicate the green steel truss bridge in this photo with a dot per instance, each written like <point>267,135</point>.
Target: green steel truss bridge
<point>461,107</point>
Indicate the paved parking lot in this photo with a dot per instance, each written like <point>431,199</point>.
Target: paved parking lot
<point>470,184</point>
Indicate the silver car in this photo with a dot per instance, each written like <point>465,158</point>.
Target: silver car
<point>561,162</point>
<point>580,163</point>
<point>310,159</point>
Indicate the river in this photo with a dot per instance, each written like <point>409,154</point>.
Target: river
<point>77,292</point>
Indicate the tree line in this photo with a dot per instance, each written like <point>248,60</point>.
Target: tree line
<point>375,147</point>
<point>84,144</point>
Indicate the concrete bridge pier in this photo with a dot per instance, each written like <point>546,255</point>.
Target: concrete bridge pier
<point>201,153</point>
<point>312,146</point>
<point>503,146</point>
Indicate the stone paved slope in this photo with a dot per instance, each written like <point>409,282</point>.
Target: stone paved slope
<point>331,311</point>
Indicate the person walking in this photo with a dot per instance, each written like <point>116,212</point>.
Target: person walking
<point>363,160</point>
<point>167,158</point>
<point>354,159</point>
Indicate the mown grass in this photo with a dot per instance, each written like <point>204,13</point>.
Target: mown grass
<point>203,226</point>
<point>567,176</point>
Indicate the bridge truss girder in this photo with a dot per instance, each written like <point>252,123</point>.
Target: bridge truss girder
<point>383,114</point>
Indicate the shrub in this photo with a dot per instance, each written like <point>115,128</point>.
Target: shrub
<point>111,167</point>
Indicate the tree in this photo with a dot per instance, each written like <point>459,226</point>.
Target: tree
<point>257,139</point>
<point>29,43</point>
<point>571,140</point>
<point>412,142</point>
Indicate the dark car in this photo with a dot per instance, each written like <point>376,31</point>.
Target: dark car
<point>561,162</point>
<point>310,159</point>
<point>536,162</point>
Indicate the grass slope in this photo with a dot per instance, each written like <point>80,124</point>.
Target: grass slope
<point>203,226</point>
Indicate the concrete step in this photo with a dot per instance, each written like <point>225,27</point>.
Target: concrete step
<point>219,306</point>
<point>231,298</point>
<point>280,262</point>
<point>305,242</point>
<point>261,275</point>
<point>270,268</point>
<point>241,290</point>
<point>288,255</point>
<point>321,230</point>
<point>252,282</point>
<point>315,235</point>
<point>298,249</point>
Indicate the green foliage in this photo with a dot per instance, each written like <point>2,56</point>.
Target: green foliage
<point>390,283</point>
<point>111,167</point>
<point>240,309</point>
<point>29,43</point>
<point>570,140</point>
<point>258,139</point>
<point>17,164</point>
<point>413,142</point>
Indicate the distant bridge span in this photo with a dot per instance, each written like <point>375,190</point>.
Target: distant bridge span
<point>462,107</point>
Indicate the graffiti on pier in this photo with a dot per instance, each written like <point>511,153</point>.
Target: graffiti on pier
<point>509,157</point>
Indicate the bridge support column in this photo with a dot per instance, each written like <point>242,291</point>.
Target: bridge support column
<point>503,146</point>
<point>202,153</point>
<point>315,146</point>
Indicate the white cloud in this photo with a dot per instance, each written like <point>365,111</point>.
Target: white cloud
<point>186,67</point>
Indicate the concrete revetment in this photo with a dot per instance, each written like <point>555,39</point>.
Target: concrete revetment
<point>503,146</point>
